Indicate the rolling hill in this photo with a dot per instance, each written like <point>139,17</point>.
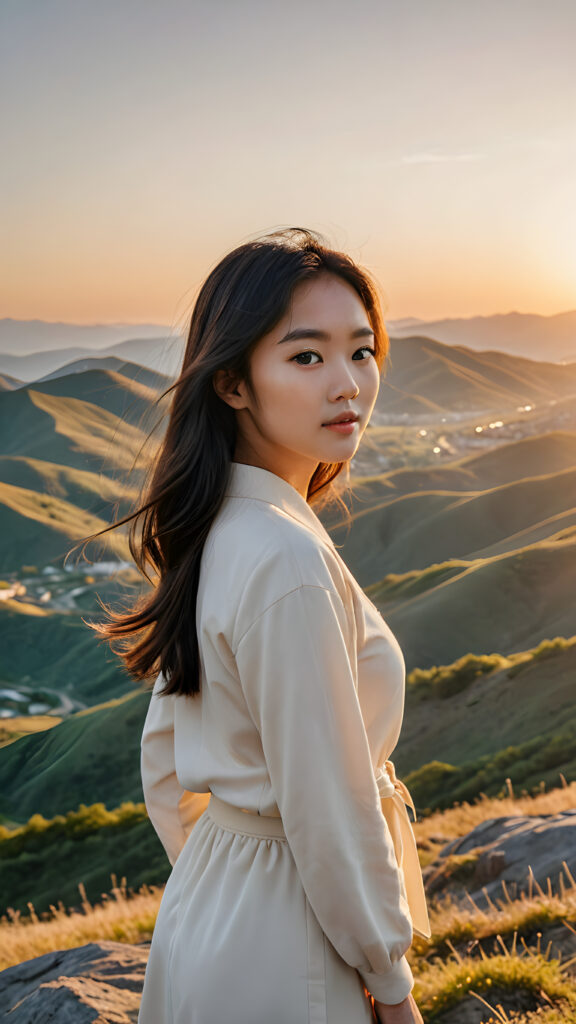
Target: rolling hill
<point>438,377</point>
<point>415,529</point>
<point>64,430</point>
<point>531,456</point>
<point>42,529</point>
<point>117,391</point>
<point>534,699</point>
<point>57,651</point>
<point>499,604</point>
<point>161,355</point>
<point>89,757</point>
<point>87,490</point>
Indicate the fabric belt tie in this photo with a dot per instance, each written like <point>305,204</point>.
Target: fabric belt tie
<point>394,796</point>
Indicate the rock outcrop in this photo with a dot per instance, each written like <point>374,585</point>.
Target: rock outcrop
<point>510,850</point>
<point>100,983</point>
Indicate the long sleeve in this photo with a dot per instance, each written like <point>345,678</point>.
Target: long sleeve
<point>172,809</point>
<point>297,668</point>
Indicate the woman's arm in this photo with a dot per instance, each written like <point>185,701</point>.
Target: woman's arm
<point>172,809</point>
<point>297,668</point>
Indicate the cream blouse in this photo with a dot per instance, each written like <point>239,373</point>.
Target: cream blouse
<point>301,705</point>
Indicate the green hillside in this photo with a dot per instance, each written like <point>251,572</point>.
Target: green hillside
<point>45,861</point>
<point>142,375</point>
<point>42,528</point>
<point>72,460</point>
<point>412,531</point>
<point>504,603</point>
<point>66,431</point>
<point>91,757</point>
<point>92,492</point>
<point>119,393</point>
<point>158,382</point>
<point>57,651</point>
<point>509,461</point>
<point>515,699</point>
<point>452,377</point>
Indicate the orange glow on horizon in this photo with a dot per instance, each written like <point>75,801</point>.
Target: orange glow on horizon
<point>135,293</point>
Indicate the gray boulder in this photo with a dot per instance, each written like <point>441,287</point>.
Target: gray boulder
<point>511,849</point>
<point>100,983</point>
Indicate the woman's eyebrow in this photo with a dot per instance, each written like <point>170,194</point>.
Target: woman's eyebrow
<point>313,332</point>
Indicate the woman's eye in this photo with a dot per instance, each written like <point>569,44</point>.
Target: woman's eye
<point>302,355</point>
<point>366,348</point>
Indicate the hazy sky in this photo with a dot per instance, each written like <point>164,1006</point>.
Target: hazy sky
<point>433,139</point>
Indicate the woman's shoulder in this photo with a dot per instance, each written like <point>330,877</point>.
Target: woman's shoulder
<point>256,553</point>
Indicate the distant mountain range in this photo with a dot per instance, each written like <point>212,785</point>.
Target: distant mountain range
<point>22,337</point>
<point>160,355</point>
<point>552,338</point>
<point>32,348</point>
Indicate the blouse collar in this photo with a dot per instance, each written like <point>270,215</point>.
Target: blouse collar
<point>260,484</point>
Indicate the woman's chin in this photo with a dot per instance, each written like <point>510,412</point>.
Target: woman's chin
<point>339,451</point>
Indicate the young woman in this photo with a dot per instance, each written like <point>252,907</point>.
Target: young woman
<point>279,687</point>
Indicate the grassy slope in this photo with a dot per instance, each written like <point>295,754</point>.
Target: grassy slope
<point>58,651</point>
<point>66,431</point>
<point>508,706</point>
<point>158,382</point>
<point>141,375</point>
<point>50,870</point>
<point>414,530</point>
<point>529,457</point>
<point>92,492</point>
<point>25,725</point>
<point>54,771</point>
<point>455,377</point>
<point>117,393</point>
<point>70,444</point>
<point>42,529</point>
<point>507,603</point>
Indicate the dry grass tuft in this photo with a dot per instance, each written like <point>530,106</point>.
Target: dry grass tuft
<point>460,921</point>
<point>122,917</point>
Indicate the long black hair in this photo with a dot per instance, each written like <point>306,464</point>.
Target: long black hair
<point>241,300</point>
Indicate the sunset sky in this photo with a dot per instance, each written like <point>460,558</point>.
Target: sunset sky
<point>435,140</point>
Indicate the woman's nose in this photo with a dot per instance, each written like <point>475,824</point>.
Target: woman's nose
<point>345,387</point>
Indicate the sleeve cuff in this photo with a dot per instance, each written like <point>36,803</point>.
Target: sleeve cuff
<point>392,987</point>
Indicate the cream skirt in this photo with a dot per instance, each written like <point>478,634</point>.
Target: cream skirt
<point>236,941</point>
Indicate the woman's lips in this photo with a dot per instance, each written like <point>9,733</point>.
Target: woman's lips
<point>344,427</point>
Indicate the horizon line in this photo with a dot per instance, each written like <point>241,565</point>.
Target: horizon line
<point>167,327</point>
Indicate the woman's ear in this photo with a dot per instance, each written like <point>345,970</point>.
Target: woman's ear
<point>228,388</point>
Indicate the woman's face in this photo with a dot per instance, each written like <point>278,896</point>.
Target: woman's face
<point>316,363</point>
